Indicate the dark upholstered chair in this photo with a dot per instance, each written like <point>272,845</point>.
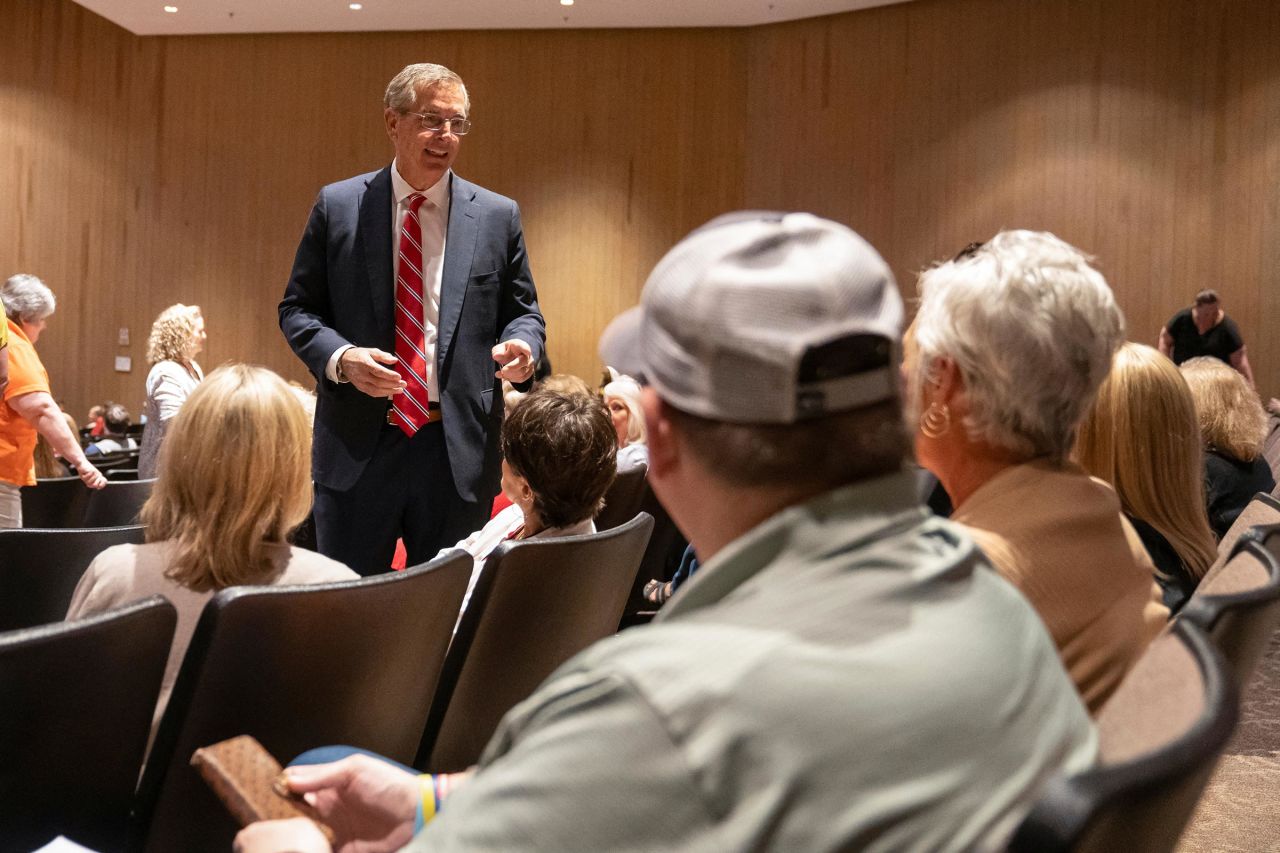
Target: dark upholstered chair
<point>1239,606</point>
<point>622,501</point>
<point>105,462</point>
<point>661,559</point>
<point>76,701</point>
<point>1263,509</point>
<point>1160,736</point>
<point>537,603</point>
<point>39,569</point>
<point>117,503</point>
<point>58,502</point>
<point>354,662</point>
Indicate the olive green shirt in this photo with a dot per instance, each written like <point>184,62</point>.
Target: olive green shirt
<point>850,674</point>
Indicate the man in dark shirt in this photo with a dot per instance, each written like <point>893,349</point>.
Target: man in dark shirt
<point>1205,329</point>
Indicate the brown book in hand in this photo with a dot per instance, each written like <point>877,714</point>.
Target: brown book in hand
<point>251,783</point>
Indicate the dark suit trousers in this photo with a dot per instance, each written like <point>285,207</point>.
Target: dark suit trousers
<point>406,490</point>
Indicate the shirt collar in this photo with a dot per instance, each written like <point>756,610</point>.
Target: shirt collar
<point>437,193</point>
<point>838,520</point>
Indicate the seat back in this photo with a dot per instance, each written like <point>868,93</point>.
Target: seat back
<point>117,503</point>
<point>39,569</point>
<point>661,558</point>
<point>622,500</point>
<point>1160,736</point>
<point>1263,509</point>
<point>115,459</point>
<point>121,474</point>
<point>76,701</point>
<point>537,603</point>
<point>354,662</point>
<point>1239,606</point>
<point>58,502</point>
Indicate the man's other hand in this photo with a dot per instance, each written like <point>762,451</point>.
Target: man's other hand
<point>296,835</point>
<point>362,366</point>
<point>515,359</point>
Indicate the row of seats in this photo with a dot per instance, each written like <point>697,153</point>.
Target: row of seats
<point>66,502</point>
<point>367,662</point>
<point>1162,733</point>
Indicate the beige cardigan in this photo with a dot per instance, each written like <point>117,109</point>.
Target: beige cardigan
<point>126,573</point>
<point>1057,534</point>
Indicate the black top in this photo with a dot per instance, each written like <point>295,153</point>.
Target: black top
<point>1220,341</point>
<point>1176,581</point>
<point>1230,484</point>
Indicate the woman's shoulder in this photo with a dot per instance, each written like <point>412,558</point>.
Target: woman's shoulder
<point>309,567</point>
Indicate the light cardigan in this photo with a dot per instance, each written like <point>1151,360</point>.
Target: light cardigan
<point>1057,534</point>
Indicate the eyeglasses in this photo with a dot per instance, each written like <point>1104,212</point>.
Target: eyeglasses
<point>435,124</point>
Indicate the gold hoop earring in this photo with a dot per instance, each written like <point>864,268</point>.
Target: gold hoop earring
<point>936,420</point>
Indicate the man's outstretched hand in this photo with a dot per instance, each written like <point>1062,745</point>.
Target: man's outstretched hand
<point>515,359</point>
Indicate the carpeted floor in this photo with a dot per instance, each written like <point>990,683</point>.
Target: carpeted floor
<point>1240,810</point>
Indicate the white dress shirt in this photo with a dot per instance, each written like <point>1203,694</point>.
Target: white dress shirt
<point>433,216</point>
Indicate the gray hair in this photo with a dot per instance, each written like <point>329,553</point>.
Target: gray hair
<point>27,299</point>
<point>627,391</point>
<point>404,88</point>
<point>1032,329</point>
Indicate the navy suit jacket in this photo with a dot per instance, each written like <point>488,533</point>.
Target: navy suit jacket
<point>341,292</point>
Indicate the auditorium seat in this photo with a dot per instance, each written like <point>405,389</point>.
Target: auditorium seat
<point>537,603</point>
<point>1239,606</point>
<point>39,569</point>
<point>661,559</point>
<point>1263,509</point>
<point>296,667</point>
<point>622,500</point>
<point>56,502</point>
<point>76,701</point>
<point>117,503</point>
<point>1160,736</point>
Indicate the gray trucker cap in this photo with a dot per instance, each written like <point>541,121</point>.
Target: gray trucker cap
<point>765,318</point>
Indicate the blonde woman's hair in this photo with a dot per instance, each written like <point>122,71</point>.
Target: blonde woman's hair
<point>235,477</point>
<point>1231,416</point>
<point>171,334</point>
<point>1141,436</point>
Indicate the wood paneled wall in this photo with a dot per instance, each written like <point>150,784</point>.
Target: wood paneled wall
<point>138,172</point>
<point>146,171</point>
<point>1145,131</point>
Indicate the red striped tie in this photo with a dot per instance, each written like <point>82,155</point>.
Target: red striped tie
<point>411,406</point>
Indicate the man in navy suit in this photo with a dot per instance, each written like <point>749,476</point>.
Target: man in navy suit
<point>410,298</point>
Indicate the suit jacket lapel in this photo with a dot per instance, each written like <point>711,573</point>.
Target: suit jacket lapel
<point>460,246</point>
<point>375,235</point>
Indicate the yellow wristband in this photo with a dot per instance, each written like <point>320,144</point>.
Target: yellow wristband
<point>427,807</point>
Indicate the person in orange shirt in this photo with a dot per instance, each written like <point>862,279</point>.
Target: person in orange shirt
<point>29,408</point>
<point>4,349</point>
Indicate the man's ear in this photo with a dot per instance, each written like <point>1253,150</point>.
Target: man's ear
<point>664,450</point>
<point>391,117</point>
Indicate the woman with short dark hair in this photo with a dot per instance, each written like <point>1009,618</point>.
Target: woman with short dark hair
<point>558,458</point>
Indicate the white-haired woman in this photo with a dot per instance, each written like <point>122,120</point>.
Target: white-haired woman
<point>177,336</point>
<point>28,408</point>
<point>1009,346</point>
<point>622,399</point>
